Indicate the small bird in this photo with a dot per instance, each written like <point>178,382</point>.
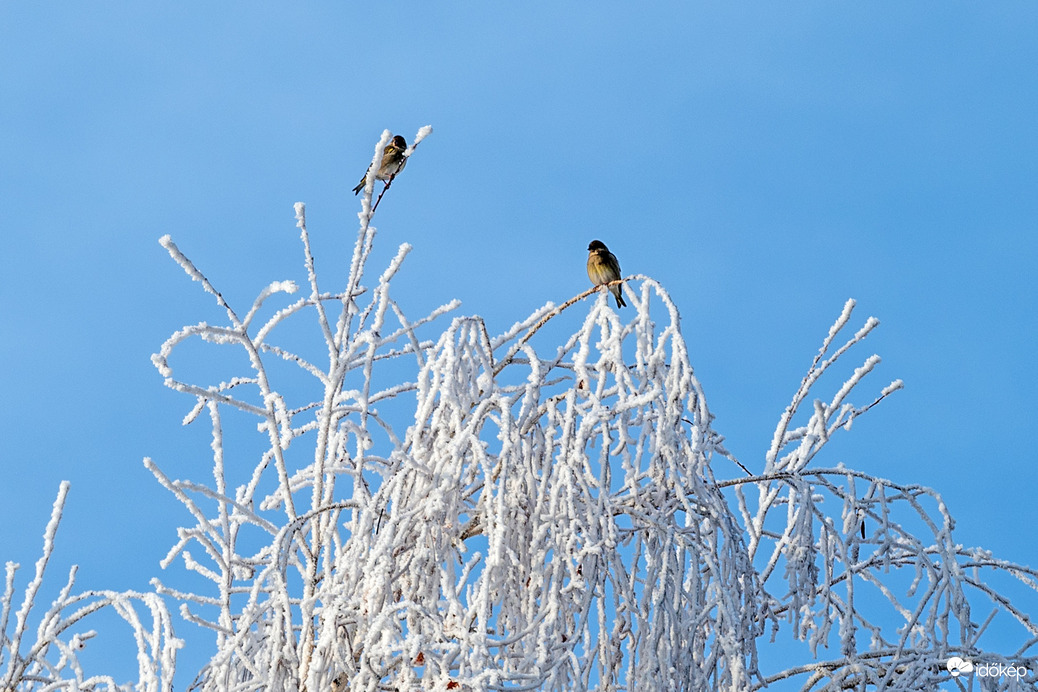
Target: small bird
<point>393,161</point>
<point>602,268</point>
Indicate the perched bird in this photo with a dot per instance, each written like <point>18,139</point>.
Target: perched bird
<point>602,268</point>
<point>393,161</point>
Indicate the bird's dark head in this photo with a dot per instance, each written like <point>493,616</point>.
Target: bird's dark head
<point>596,245</point>
<point>399,142</point>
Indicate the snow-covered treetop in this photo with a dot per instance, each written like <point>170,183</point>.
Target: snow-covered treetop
<point>439,508</point>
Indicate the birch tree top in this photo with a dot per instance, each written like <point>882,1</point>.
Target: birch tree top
<point>761,167</point>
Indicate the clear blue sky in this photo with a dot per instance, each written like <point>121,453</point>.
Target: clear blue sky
<point>765,161</point>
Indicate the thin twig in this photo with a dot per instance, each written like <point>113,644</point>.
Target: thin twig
<point>388,183</point>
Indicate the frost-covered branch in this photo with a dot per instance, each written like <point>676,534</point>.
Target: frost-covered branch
<point>50,658</point>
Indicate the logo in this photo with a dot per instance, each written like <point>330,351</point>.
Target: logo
<point>957,666</point>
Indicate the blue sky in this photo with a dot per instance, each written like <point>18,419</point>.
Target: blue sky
<point>764,161</point>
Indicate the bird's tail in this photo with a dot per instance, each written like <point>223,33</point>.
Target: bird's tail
<point>620,303</point>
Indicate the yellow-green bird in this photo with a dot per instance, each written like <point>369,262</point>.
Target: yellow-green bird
<point>602,268</point>
<point>393,161</point>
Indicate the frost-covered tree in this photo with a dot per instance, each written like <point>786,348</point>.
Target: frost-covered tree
<point>439,508</point>
<point>49,658</point>
<point>464,511</point>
